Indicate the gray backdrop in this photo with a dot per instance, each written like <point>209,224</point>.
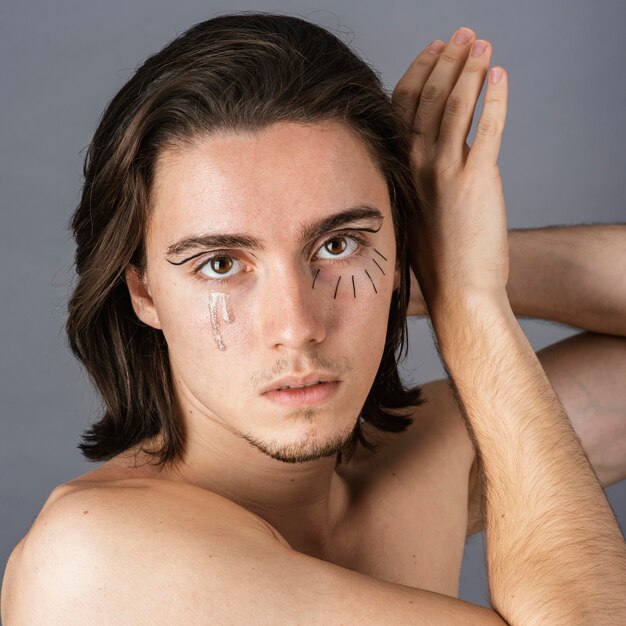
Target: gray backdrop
<point>562,162</point>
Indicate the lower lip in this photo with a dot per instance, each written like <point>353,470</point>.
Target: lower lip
<point>315,394</point>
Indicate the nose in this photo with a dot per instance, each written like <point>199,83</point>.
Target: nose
<point>292,314</point>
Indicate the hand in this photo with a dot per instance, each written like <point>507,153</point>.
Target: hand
<point>458,235</point>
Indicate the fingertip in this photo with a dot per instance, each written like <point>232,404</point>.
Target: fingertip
<point>436,47</point>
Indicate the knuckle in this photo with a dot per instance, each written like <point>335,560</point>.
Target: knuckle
<point>455,106</point>
<point>488,127</point>
<point>431,93</point>
<point>493,100</point>
<point>474,67</point>
<point>424,60</point>
<point>448,57</point>
<point>403,93</point>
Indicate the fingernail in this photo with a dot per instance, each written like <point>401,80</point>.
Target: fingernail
<point>463,35</point>
<point>478,48</point>
<point>436,46</point>
<point>495,74</point>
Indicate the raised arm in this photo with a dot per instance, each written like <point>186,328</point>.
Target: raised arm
<point>555,553</point>
<point>587,372</point>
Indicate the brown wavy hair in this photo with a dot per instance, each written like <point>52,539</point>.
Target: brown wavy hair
<point>238,71</point>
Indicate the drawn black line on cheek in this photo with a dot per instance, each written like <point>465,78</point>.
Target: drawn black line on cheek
<point>353,290</point>
<point>380,254</point>
<point>379,267</point>
<point>336,287</point>
<point>373,285</point>
<point>316,273</point>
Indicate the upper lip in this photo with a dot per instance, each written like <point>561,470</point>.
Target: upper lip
<point>294,381</point>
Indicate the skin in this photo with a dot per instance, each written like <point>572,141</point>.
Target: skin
<point>283,325</point>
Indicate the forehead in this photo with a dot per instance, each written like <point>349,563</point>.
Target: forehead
<point>262,180</point>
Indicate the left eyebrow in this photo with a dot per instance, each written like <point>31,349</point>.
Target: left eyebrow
<point>309,231</point>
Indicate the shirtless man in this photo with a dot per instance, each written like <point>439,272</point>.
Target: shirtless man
<point>256,519</point>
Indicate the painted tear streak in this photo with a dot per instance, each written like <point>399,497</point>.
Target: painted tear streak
<point>218,299</point>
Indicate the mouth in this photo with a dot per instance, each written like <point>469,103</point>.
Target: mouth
<point>317,382</point>
<point>311,379</point>
<point>303,395</point>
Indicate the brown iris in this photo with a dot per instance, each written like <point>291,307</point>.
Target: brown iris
<point>342,239</point>
<point>224,260</point>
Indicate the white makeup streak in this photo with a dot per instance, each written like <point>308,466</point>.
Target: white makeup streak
<point>215,299</point>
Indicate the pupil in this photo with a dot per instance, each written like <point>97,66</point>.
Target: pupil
<point>220,260</point>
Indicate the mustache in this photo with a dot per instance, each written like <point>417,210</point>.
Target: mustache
<point>337,368</point>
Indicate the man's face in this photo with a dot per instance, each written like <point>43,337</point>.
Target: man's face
<point>253,314</point>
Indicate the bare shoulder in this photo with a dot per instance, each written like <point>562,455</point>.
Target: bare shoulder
<point>128,509</point>
<point>91,538</point>
<point>143,553</point>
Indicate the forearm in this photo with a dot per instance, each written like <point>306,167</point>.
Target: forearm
<point>571,274</point>
<point>554,549</point>
<point>575,275</point>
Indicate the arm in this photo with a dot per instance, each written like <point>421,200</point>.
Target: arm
<point>554,549</point>
<point>574,275</point>
<point>201,559</point>
<point>555,553</point>
<point>587,372</point>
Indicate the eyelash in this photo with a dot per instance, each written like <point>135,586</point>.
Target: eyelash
<point>363,243</point>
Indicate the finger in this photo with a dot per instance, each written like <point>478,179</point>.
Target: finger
<point>486,146</point>
<point>461,104</point>
<point>440,83</point>
<point>407,92</point>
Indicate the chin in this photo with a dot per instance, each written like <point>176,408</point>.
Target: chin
<point>309,444</point>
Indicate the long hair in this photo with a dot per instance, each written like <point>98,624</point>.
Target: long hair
<point>239,71</point>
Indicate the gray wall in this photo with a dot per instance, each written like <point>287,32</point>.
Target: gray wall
<point>562,162</point>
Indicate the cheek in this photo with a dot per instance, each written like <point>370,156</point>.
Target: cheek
<point>361,289</point>
<point>358,298</point>
<point>196,321</point>
<point>213,323</point>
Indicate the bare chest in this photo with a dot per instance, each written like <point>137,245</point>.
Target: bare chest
<point>408,526</point>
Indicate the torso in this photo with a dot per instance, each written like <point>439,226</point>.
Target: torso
<point>409,511</point>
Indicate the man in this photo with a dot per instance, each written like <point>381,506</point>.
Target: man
<point>231,337</point>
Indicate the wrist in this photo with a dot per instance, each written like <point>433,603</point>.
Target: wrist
<point>457,304</point>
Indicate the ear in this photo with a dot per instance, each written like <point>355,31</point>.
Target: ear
<point>396,277</point>
<point>140,297</point>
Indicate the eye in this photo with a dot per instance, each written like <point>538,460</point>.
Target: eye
<point>347,243</point>
<point>220,264</point>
